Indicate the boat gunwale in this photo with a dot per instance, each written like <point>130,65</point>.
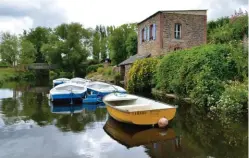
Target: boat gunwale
<point>126,111</point>
<point>120,89</point>
<point>130,112</point>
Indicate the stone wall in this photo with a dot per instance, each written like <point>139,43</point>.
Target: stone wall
<point>151,46</point>
<point>127,68</point>
<point>193,31</point>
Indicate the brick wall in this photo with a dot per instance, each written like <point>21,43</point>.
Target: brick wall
<point>193,31</point>
<point>127,68</point>
<point>152,46</point>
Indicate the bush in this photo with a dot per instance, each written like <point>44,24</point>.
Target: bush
<point>140,76</point>
<point>226,29</point>
<point>3,65</point>
<point>93,68</point>
<point>233,101</point>
<point>108,71</point>
<point>200,72</point>
<point>53,75</point>
<point>100,70</point>
<point>66,75</point>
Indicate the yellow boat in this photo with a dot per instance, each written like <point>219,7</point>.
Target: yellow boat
<point>130,136</point>
<point>137,110</point>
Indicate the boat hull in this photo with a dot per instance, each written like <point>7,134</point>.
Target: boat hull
<point>67,96</point>
<point>100,95</point>
<point>148,117</point>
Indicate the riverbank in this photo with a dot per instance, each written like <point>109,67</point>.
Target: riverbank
<point>11,74</point>
<point>6,73</point>
<point>105,74</point>
<point>161,94</point>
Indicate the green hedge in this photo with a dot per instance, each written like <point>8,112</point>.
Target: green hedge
<point>141,74</point>
<point>201,72</point>
<point>93,68</point>
<point>3,65</point>
<point>225,30</point>
<point>233,103</point>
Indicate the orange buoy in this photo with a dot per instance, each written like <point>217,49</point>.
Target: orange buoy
<point>163,122</point>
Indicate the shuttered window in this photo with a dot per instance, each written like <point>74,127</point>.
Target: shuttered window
<point>148,33</point>
<point>141,36</point>
<point>154,31</point>
<point>145,30</point>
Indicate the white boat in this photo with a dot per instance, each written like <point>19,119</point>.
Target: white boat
<point>137,110</point>
<point>60,81</point>
<point>68,91</point>
<point>79,80</point>
<point>101,89</point>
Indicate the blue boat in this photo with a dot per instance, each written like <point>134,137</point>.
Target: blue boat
<point>68,92</point>
<point>97,90</point>
<point>60,81</point>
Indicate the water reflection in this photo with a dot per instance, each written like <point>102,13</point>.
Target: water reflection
<point>131,135</point>
<point>66,109</point>
<point>27,118</point>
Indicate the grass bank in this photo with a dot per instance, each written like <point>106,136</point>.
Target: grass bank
<point>6,73</point>
<point>105,74</point>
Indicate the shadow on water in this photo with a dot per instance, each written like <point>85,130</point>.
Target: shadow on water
<point>191,134</point>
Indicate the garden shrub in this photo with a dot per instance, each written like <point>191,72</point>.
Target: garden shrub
<point>53,75</point>
<point>233,101</point>
<point>65,74</point>
<point>227,29</point>
<point>93,68</point>
<point>100,70</point>
<point>140,75</point>
<point>200,72</point>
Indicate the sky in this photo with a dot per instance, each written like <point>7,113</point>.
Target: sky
<point>17,15</point>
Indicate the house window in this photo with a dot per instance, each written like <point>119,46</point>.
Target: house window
<point>143,35</point>
<point>178,30</point>
<point>151,32</point>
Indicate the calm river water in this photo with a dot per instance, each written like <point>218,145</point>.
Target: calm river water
<point>30,127</point>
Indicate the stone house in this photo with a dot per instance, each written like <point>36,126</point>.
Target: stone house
<point>167,31</point>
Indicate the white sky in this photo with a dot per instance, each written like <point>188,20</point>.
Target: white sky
<point>16,15</point>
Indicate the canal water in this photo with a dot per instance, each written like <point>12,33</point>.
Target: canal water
<point>31,127</point>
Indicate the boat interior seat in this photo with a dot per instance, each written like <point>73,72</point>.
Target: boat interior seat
<point>133,108</point>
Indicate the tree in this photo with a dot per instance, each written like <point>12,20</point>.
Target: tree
<point>103,42</point>
<point>118,42</point>
<point>38,37</point>
<point>9,48</point>
<point>96,44</point>
<point>67,47</point>
<point>131,44</point>
<point>28,52</point>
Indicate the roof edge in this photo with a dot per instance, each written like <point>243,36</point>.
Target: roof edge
<point>161,11</point>
<point>149,17</point>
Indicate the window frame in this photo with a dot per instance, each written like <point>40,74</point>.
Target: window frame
<point>151,32</point>
<point>143,34</point>
<point>178,30</point>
